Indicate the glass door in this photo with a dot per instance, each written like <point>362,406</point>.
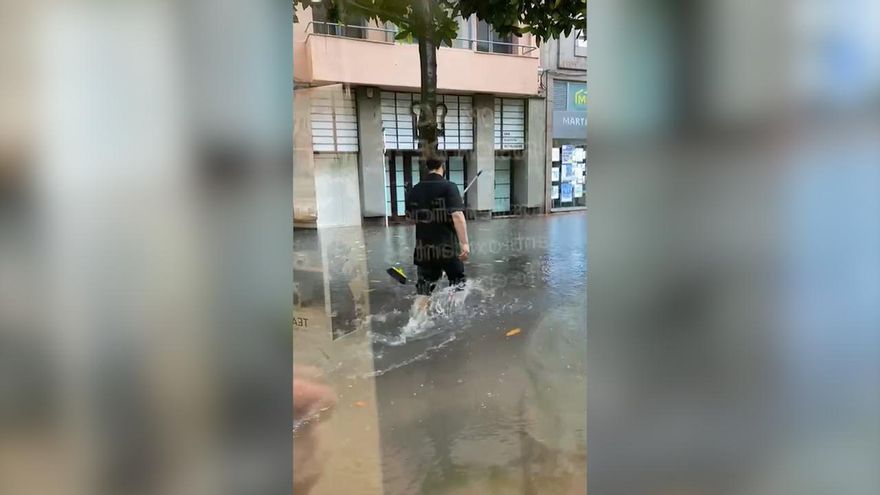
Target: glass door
<point>455,167</point>
<point>503,185</point>
<point>398,182</point>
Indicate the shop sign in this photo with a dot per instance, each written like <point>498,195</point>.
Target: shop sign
<point>577,97</point>
<point>569,125</point>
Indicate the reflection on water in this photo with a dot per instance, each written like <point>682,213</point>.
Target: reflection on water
<point>487,394</point>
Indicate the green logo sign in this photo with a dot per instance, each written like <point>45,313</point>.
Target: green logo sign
<point>577,96</point>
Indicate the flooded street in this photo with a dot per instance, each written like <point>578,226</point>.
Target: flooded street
<point>487,395</point>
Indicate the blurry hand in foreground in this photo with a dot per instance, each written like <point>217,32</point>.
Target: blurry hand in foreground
<point>312,403</point>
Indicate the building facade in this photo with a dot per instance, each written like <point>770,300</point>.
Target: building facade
<point>564,75</point>
<point>354,148</point>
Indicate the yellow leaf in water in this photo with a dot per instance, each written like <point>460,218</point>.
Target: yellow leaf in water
<point>360,403</point>
<point>513,332</point>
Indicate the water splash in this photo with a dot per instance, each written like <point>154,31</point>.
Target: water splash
<point>445,308</point>
<point>448,309</point>
<point>383,317</point>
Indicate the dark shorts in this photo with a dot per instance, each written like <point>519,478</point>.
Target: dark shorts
<point>430,273</point>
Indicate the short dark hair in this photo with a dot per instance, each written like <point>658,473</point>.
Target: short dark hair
<point>435,163</point>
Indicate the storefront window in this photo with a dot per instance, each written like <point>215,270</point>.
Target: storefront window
<point>568,174</point>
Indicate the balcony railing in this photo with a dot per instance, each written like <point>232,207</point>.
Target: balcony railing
<point>384,35</point>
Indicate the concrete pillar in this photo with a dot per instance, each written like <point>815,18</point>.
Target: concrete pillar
<point>336,185</point>
<point>536,155</point>
<point>371,146</point>
<point>481,196</point>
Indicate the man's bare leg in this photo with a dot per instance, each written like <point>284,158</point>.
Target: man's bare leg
<point>420,305</point>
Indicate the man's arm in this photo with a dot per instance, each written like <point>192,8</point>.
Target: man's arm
<point>460,224</point>
<point>455,206</point>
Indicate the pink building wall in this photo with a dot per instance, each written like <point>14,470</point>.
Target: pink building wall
<point>326,59</point>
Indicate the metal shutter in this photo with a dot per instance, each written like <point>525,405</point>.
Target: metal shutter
<point>459,123</point>
<point>397,126</point>
<point>560,95</point>
<point>334,121</point>
<point>396,121</point>
<point>510,124</point>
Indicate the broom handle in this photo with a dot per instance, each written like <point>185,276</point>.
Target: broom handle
<point>472,182</point>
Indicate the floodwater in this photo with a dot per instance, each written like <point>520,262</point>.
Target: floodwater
<point>485,395</point>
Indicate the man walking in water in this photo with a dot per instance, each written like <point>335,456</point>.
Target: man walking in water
<point>441,231</point>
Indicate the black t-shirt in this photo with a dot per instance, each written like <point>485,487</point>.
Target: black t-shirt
<point>431,204</point>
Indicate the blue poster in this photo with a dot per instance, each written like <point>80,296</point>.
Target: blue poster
<point>567,162</point>
<point>565,192</point>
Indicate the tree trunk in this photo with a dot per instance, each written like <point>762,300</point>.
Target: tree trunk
<point>427,124</point>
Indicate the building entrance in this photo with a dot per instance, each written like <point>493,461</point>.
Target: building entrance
<point>403,171</point>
